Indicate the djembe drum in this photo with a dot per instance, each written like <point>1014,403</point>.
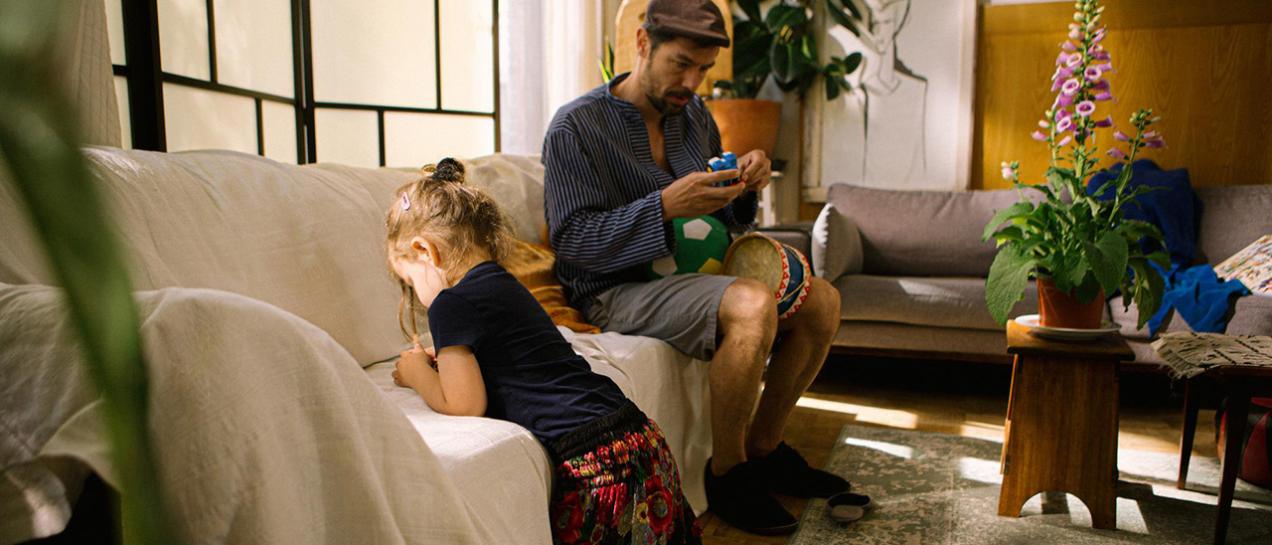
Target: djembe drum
<point>780,267</point>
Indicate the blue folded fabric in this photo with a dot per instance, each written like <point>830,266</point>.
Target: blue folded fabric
<point>1174,208</point>
<point>1198,296</point>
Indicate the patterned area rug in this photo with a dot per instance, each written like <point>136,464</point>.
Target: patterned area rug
<point>932,488</point>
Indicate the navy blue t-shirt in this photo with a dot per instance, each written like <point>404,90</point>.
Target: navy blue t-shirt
<point>532,376</point>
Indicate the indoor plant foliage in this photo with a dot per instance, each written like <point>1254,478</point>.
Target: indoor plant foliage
<point>1073,243</point>
<point>781,43</point>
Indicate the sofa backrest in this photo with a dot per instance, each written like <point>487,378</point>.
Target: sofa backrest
<point>308,239</point>
<point>921,233</point>
<point>1232,217</point>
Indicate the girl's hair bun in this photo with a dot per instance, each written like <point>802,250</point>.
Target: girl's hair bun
<point>446,170</point>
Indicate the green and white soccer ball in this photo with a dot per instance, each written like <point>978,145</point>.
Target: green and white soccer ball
<point>701,243</point>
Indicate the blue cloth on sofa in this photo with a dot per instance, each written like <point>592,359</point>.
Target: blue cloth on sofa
<point>1194,291</point>
<point>1199,296</point>
<point>1174,208</point>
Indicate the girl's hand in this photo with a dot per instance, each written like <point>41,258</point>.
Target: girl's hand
<point>413,365</point>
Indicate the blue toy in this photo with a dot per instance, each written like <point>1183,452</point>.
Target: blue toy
<point>726,161</point>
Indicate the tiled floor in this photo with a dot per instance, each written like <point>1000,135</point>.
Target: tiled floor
<point>946,397</point>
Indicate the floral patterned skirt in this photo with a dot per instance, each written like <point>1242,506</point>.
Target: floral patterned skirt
<point>620,485</point>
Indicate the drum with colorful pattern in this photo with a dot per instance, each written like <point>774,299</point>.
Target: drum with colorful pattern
<point>780,267</point>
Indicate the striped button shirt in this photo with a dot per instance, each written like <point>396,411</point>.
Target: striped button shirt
<point>602,189</point>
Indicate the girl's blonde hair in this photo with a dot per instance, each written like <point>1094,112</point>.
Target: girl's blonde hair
<point>458,218</point>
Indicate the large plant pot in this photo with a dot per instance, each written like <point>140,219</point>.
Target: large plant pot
<point>1062,309</point>
<point>747,124</point>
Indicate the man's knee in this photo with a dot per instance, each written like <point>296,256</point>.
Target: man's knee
<point>748,304</point>
<point>822,307</point>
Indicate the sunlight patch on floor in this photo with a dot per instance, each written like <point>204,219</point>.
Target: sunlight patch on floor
<point>988,432</point>
<point>979,470</point>
<point>883,417</point>
<point>900,451</point>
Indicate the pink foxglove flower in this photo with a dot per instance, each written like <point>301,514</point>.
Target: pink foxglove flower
<point>1155,143</point>
<point>1103,95</point>
<point>1150,135</point>
<point>1074,60</point>
<point>1070,86</point>
<point>1068,46</point>
<point>1075,34</point>
<point>1039,136</point>
<point>1102,85</point>
<point>1008,173</point>
<point>1104,123</point>
<point>1121,136</point>
<point>1085,108</point>
<point>1092,73</point>
<point>1064,141</point>
<point>1064,124</point>
<point>1117,154</point>
<point>1042,124</point>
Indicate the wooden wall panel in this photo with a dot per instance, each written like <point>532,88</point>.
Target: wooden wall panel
<point>1204,66</point>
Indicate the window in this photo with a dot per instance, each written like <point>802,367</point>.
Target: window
<point>394,82</point>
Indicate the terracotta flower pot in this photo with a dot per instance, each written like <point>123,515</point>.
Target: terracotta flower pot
<point>1061,309</point>
<point>747,124</point>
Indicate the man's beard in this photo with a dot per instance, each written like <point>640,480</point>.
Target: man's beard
<point>666,107</point>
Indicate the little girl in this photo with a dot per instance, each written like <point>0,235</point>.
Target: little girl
<point>497,353</point>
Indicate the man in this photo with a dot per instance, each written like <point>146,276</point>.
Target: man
<point>621,162</point>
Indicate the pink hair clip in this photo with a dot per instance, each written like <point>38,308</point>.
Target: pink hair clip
<point>406,203</point>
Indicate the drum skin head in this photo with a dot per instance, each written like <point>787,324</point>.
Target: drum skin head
<point>757,258</point>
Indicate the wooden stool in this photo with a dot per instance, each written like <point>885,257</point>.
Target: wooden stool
<point>1062,420</point>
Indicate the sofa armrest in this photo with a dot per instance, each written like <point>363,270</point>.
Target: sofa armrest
<point>795,235</point>
<point>836,244</point>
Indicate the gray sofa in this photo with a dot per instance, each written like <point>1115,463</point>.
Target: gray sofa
<point>911,268</point>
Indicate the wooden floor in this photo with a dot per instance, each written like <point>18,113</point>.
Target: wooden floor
<point>948,397</point>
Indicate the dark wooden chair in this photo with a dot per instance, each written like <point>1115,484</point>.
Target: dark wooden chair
<point>1238,384</point>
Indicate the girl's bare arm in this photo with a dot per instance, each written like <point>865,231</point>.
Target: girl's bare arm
<point>454,388</point>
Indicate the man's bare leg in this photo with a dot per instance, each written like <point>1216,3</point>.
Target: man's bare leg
<point>796,361</point>
<point>747,325</point>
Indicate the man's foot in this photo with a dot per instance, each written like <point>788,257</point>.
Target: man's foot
<point>739,499</point>
<point>784,471</point>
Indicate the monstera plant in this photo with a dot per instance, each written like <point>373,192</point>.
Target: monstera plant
<point>41,156</point>
<point>1078,244</point>
<point>780,43</point>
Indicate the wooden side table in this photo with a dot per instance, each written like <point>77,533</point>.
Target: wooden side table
<point>1062,420</point>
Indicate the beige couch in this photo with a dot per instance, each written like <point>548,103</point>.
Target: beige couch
<point>911,269</point>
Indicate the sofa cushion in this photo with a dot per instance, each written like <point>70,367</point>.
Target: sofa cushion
<point>922,233</point>
<point>1232,217</point>
<point>1252,315</point>
<point>836,244</point>
<point>957,302</point>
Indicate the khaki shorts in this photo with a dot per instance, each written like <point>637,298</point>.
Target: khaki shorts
<point>682,309</point>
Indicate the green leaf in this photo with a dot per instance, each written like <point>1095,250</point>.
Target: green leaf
<point>1148,292</point>
<point>752,9</point>
<point>838,14</point>
<point>1008,276</point>
<point>832,88</point>
<point>1017,209</point>
<point>851,62</point>
<point>1108,260</point>
<point>783,15</point>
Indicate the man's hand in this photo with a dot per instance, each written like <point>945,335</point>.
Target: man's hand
<point>756,170</point>
<point>696,194</point>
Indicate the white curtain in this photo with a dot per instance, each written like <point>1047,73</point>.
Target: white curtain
<point>87,74</point>
<point>548,55</point>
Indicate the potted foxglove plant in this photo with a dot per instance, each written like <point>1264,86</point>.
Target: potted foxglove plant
<point>1077,247</point>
